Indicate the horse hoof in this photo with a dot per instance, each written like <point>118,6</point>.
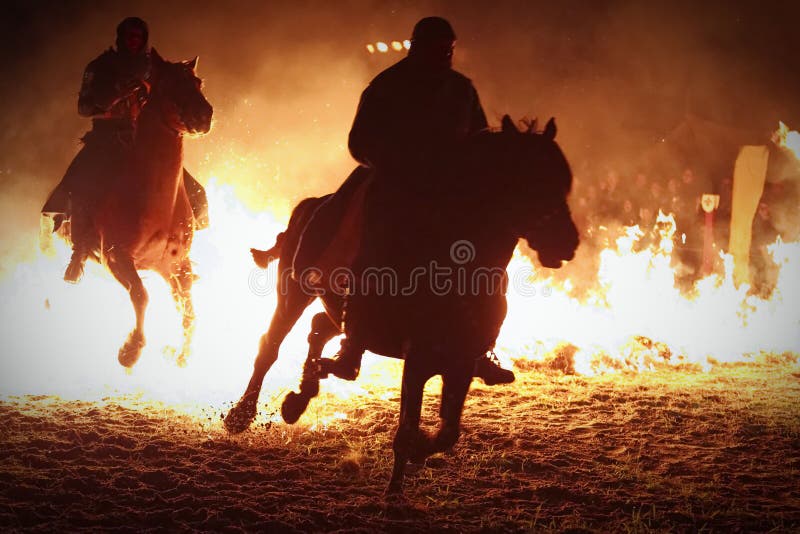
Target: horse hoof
<point>262,258</point>
<point>74,271</point>
<point>394,493</point>
<point>294,405</point>
<point>420,446</point>
<point>131,350</point>
<point>239,418</point>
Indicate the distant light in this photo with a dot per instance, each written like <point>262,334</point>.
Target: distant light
<point>383,47</point>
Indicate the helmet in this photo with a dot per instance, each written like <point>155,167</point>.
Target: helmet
<point>431,28</point>
<point>125,25</point>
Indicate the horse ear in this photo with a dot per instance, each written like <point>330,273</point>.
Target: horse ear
<point>508,125</point>
<point>550,129</point>
<point>192,64</point>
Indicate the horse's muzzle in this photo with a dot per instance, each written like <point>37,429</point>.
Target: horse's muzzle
<point>200,123</point>
<point>554,261</point>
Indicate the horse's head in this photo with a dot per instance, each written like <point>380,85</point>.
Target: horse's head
<point>177,92</point>
<point>540,180</point>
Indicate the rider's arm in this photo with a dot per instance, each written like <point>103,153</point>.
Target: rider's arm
<point>478,117</point>
<point>98,92</point>
<point>366,140</point>
<point>100,89</point>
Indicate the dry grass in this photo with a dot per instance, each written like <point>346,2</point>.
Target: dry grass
<point>662,451</point>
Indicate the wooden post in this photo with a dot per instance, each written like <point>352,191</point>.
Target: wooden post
<point>749,174</point>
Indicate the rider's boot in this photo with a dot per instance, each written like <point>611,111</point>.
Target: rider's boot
<point>488,369</point>
<point>74,271</point>
<point>346,364</point>
<point>81,232</point>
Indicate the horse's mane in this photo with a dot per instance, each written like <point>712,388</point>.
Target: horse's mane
<point>499,155</point>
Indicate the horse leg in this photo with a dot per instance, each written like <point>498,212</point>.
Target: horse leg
<point>456,380</point>
<point>180,283</point>
<point>322,331</point>
<point>288,311</point>
<point>124,271</point>
<point>409,441</point>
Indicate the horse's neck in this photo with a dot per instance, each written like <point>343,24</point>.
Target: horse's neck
<point>158,159</point>
<point>475,204</point>
<point>470,214</point>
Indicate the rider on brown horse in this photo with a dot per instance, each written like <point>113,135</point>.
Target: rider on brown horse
<point>411,114</point>
<point>114,89</point>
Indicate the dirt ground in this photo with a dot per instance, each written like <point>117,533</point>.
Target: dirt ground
<point>669,450</point>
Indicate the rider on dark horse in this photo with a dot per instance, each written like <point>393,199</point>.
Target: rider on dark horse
<point>409,116</point>
<point>113,91</point>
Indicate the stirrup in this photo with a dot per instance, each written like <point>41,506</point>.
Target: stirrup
<point>488,369</point>
<point>344,367</point>
<point>74,271</point>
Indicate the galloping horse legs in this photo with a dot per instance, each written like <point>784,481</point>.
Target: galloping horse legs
<point>124,270</point>
<point>181,284</point>
<point>322,331</point>
<point>409,441</point>
<point>290,308</point>
<point>456,380</point>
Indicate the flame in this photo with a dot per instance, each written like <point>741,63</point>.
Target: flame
<point>789,139</point>
<point>637,319</point>
<point>62,339</point>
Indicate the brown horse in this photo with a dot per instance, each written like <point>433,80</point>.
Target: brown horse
<point>145,221</point>
<point>464,222</point>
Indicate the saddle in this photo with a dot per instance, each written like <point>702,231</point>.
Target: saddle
<point>332,237</point>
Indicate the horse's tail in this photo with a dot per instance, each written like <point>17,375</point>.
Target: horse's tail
<point>291,236</point>
<point>264,257</point>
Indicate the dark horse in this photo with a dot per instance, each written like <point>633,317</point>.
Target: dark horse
<point>499,187</point>
<point>144,221</point>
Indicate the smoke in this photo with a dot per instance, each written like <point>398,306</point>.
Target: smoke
<point>285,79</point>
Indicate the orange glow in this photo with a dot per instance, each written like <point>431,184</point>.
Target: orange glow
<point>86,323</point>
<point>636,300</point>
<point>789,139</point>
<point>634,320</point>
